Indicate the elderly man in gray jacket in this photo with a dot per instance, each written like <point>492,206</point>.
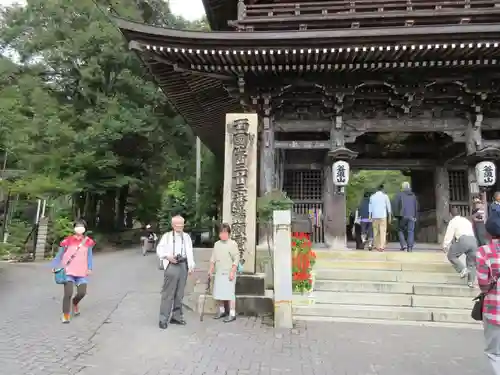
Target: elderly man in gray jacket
<point>406,210</point>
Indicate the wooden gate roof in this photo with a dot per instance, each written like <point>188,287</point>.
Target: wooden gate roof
<point>198,70</point>
<point>219,12</point>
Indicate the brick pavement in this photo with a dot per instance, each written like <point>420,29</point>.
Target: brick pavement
<point>117,334</point>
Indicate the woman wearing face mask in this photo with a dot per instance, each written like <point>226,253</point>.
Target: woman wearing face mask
<point>75,256</point>
<point>224,263</point>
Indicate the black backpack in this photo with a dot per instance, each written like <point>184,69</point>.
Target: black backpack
<point>493,222</point>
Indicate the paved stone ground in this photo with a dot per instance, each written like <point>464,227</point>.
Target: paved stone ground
<point>117,334</point>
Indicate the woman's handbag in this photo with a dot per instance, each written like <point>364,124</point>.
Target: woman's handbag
<point>60,273</point>
<point>477,309</point>
<point>239,268</point>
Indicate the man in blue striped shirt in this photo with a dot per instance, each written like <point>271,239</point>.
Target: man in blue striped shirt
<point>380,214</point>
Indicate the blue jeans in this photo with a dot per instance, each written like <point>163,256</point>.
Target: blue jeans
<point>406,232</point>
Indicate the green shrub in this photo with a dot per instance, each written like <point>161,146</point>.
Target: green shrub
<point>18,232</point>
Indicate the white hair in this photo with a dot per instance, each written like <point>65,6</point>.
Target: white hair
<point>177,218</point>
<point>405,185</point>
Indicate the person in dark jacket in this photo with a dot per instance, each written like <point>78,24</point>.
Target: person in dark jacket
<point>363,218</point>
<point>354,232</point>
<point>406,211</point>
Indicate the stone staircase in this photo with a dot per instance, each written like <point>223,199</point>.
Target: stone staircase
<point>419,287</point>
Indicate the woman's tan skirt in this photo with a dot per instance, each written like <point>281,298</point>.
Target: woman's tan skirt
<point>224,289</point>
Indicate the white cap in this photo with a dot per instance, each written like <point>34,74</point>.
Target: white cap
<point>148,226</point>
<point>405,185</point>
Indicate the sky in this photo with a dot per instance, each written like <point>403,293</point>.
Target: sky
<point>189,9</point>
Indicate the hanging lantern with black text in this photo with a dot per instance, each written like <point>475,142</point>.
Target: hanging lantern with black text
<point>340,173</point>
<point>486,173</point>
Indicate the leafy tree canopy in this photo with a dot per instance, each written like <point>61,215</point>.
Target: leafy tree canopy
<point>362,181</point>
<point>81,117</point>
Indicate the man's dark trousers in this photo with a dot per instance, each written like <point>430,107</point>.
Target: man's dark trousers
<point>406,232</point>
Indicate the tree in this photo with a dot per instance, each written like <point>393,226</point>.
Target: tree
<point>81,117</point>
<point>363,181</point>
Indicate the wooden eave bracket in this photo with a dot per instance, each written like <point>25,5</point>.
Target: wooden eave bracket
<point>342,153</point>
<point>486,153</point>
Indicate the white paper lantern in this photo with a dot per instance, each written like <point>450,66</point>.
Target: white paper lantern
<point>340,173</point>
<point>486,173</point>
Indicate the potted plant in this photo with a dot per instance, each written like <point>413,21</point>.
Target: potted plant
<point>303,260</point>
<point>274,200</point>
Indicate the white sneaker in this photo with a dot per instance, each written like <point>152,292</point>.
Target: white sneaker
<point>464,273</point>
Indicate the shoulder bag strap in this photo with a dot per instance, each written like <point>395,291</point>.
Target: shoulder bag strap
<point>493,284</point>
<point>76,251</point>
<point>183,246</point>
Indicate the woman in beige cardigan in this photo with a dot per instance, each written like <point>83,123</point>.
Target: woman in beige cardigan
<point>223,265</point>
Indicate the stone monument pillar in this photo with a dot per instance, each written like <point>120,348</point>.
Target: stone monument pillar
<point>240,183</point>
<point>282,221</point>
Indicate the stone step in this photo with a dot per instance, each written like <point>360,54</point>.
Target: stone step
<point>391,322</point>
<point>398,256</point>
<point>363,286</point>
<point>395,287</point>
<point>385,299</point>
<point>364,312</point>
<point>384,313</point>
<point>383,275</point>
<point>245,305</point>
<point>445,290</point>
<point>350,298</point>
<point>441,267</point>
<point>443,302</point>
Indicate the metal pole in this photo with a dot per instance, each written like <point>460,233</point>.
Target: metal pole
<point>43,208</point>
<point>37,217</point>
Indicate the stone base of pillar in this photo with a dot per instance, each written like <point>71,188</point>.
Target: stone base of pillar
<point>336,243</point>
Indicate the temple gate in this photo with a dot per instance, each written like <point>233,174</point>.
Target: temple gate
<point>402,85</point>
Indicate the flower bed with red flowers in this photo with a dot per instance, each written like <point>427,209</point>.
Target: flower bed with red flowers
<point>303,259</point>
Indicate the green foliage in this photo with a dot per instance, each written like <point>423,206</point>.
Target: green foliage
<point>174,202</point>
<point>81,116</point>
<point>273,201</point>
<point>63,227</point>
<point>18,232</point>
<point>362,181</point>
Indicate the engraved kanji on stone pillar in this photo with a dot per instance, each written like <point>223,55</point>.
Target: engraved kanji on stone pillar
<point>240,183</point>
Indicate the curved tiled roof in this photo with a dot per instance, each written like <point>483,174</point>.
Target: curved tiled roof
<point>198,70</point>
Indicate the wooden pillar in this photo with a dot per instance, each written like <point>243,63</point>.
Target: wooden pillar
<point>334,210</point>
<point>442,201</point>
<point>267,160</point>
<point>279,169</point>
<point>473,187</point>
<point>267,153</point>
